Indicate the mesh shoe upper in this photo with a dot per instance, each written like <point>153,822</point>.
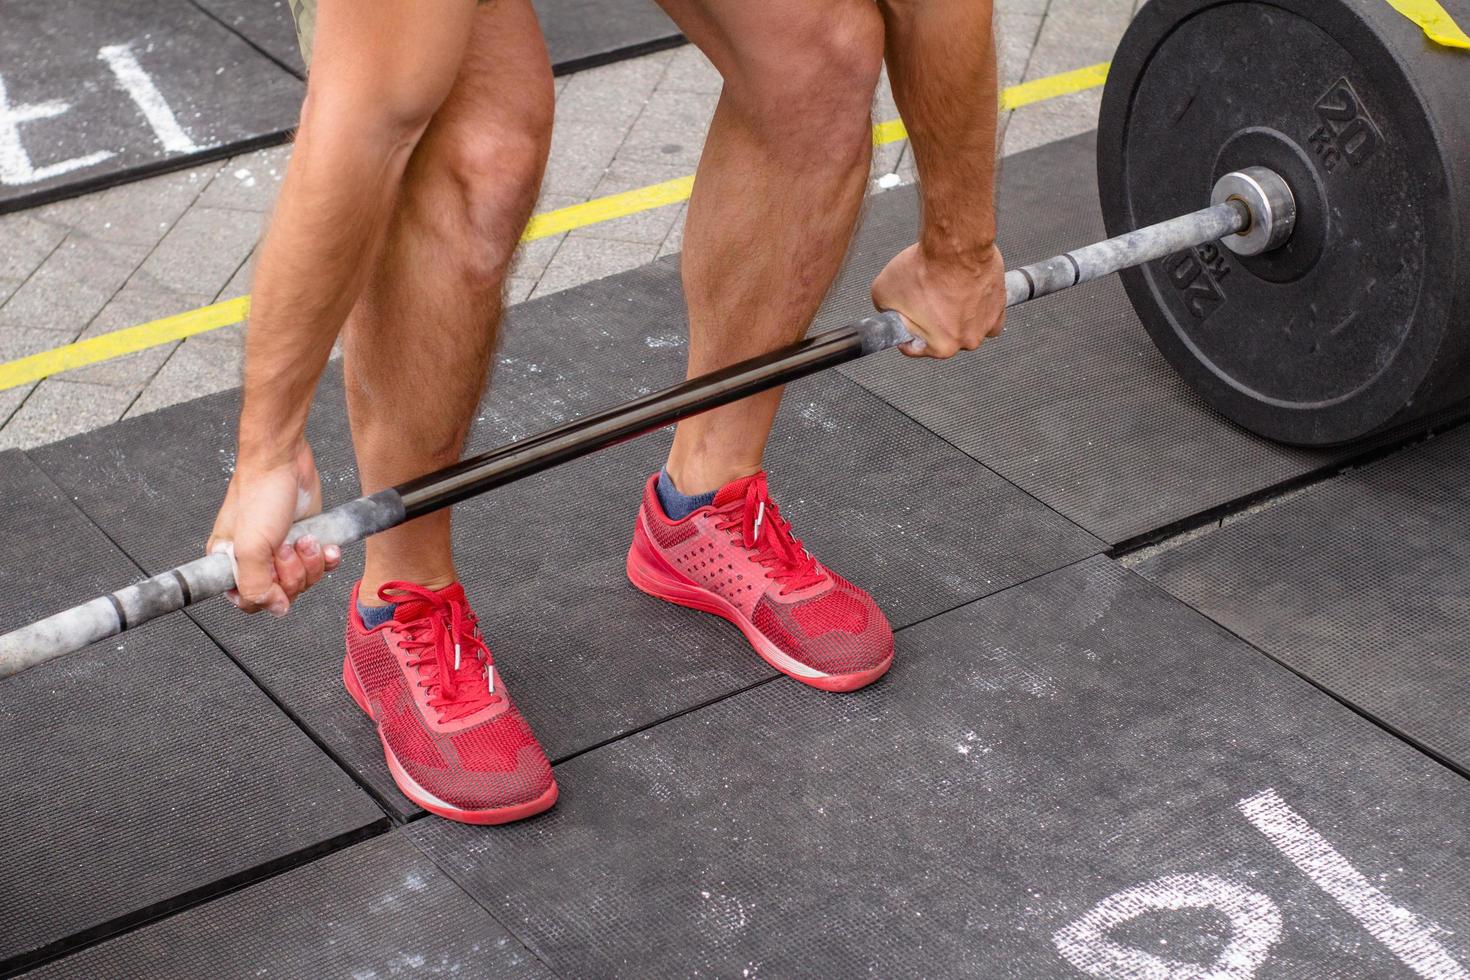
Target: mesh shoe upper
<point>441,709</point>
<point>742,549</point>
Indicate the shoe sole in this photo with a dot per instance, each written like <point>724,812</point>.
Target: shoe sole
<point>410,788</point>
<point>649,573</point>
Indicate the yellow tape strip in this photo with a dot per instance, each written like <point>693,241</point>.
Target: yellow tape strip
<point>1052,86</point>
<point>130,340</point>
<point>1434,21</point>
<point>171,328</point>
<point>608,208</point>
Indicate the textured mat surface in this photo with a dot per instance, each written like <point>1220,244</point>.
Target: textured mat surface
<point>583,33</point>
<point>142,769</point>
<point>1073,403</point>
<point>106,91</point>
<point>579,33</point>
<point>266,24</point>
<point>1360,583</point>
<point>1078,774</point>
<point>377,909</point>
<point>586,656</point>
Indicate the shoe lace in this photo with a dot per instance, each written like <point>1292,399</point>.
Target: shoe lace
<point>759,526</point>
<point>445,647</point>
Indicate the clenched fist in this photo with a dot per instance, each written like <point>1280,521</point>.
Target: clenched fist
<point>950,305</point>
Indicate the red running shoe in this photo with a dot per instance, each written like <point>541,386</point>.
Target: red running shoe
<point>454,741</point>
<point>736,558</point>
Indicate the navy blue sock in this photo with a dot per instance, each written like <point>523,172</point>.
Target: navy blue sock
<point>375,616</point>
<point>676,505</point>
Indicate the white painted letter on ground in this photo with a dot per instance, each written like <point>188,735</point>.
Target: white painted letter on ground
<point>1412,939</point>
<point>16,168</point>
<point>140,88</point>
<point>1255,924</point>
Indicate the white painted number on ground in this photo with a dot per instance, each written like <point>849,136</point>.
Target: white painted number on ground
<point>16,166</point>
<point>1255,926</point>
<point>1407,936</point>
<point>1255,921</point>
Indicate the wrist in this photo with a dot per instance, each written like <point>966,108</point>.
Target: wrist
<point>268,451</point>
<point>973,256</point>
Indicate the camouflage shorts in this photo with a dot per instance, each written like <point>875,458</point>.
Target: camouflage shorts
<point>304,13</point>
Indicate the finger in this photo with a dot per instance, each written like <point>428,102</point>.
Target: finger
<point>915,348</point>
<point>290,573</point>
<point>277,604</point>
<point>255,573</point>
<point>309,550</point>
<point>333,555</point>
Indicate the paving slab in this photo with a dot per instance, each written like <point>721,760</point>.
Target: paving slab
<point>588,657</point>
<point>143,771</point>
<point>1080,775</point>
<point>137,302</point>
<point>580,260</point>
<point>58,407</point>
<point>201,365</point>
<point>1073,403</point>
<point>1359,584</point>
<point>107,91</point>
<point>376,909</point>
<point>73,284</point>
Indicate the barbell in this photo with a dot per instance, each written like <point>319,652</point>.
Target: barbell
<point>1332,140</point>
<point>1258,220</point>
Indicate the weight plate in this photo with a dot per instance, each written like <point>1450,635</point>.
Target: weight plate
<point>1358,323</point>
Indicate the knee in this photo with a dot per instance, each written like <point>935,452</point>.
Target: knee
<point>816,84</point>
<point>483,186</point>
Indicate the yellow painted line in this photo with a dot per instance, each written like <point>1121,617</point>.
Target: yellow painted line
<point>1434,21</point>
<point>1026,93</point>
<point>608,208</point>
<point>1053,86</point>
<point>130,340</point>
<point>171,328</point>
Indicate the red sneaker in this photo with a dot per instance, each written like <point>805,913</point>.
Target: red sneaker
<point>454,741</point>
<point>736,558</point>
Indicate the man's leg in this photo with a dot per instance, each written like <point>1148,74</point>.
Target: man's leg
<point>778,192</point>
<point>418,343</point>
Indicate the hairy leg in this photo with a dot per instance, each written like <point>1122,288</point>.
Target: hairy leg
<point>419,341</point>
<point>778,191</point>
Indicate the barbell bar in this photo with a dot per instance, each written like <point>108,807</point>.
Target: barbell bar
<point>1253,209</point>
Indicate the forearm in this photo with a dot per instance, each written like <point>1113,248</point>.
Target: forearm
<point>380,70</point>
<point>330,220</point>
<point>942,66</point>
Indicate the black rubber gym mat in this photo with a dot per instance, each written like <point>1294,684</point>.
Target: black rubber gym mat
<point>587,656</point>
<point>264,24</point>
<point>102,91</point>
<point>1072,403</point>
<point>1079,774</point>
<point>1359,583</point>
<point>377,909</point>
<point>579,33</point>
<point>583,33</point>
<point>144,770</point>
